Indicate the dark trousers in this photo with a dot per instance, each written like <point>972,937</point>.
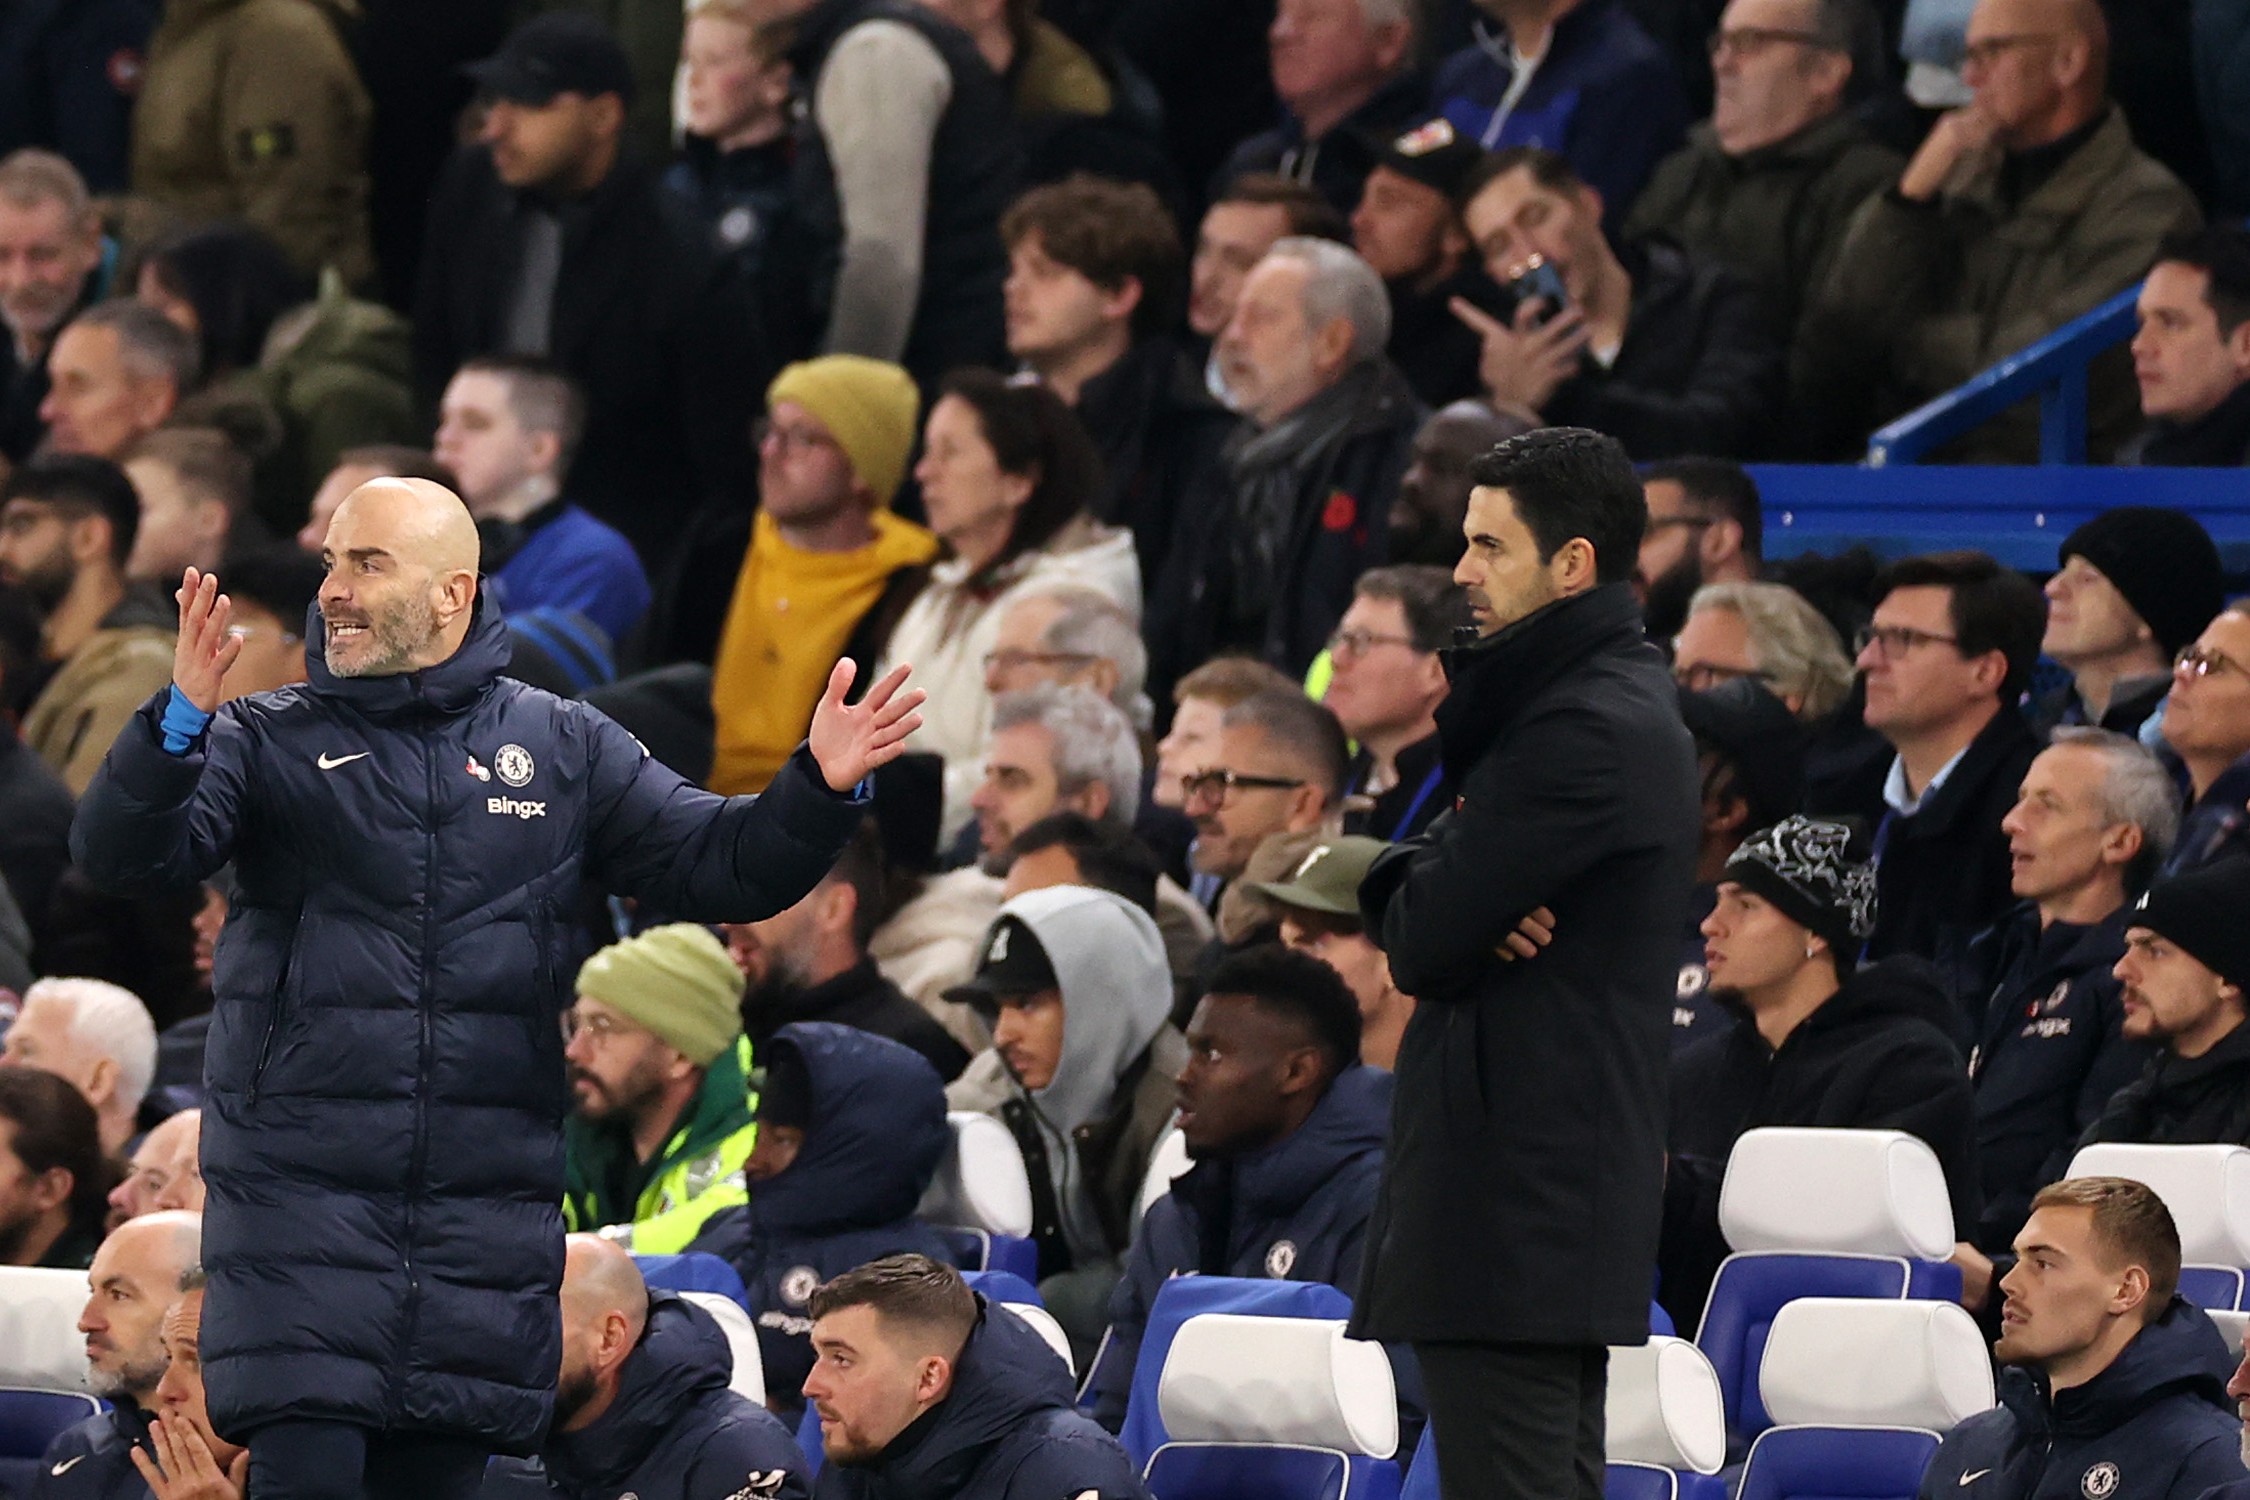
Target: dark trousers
<point>1516,1421</point>
<point>317,1460</point>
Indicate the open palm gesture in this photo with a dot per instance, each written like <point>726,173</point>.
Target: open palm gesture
<point>850,740</point>
<point>204,649</point>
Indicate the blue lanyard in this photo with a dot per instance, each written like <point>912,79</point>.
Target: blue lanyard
<point>1429,785</point>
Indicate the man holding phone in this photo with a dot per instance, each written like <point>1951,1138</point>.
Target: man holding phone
<point>1666,353</point>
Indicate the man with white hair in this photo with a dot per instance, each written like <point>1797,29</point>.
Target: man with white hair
<point>95,1036</point>
<point>1344,71</point>
<point>1075,636</point>
<point>50,268</point>
<point>1054,748</point>
<point>1328,424</point>
<point>134,1279</point>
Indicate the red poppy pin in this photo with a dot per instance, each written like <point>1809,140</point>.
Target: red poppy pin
<point>1341,514</point>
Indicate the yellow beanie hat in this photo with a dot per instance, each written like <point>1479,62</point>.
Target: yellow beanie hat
<point>678,981</point>
<point>868,407</point>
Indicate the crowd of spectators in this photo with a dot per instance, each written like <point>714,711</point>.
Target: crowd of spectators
<point>1124,367</point>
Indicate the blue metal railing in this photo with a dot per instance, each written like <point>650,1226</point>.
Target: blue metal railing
<point>2053,369</point>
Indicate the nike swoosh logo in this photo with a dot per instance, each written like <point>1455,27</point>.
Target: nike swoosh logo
<point>329,763</point>
<point>59,1470</point>
<point>1969,1479</point>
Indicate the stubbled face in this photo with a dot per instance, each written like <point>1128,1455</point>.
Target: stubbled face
<point>1234,237</point>
<point>1028,1034</point>
<point>378,606</point>
<point>45,258</point>
<point>2185,364</point>
<point>1192,744</point>
<point>36,552</point>
<point>1434,490</point>
<point>134,1278</point>
<point>2057,830</point>
<point>1230,825</point>
<point>1501,568</point>
<point>1269,354</point>
<point>1514,218</point>
<point>1405,230</point>
<point>617,1069</point>
<point>1019,786</point>
<point>2060,1293</point>
<point>543,146</point>
<point>865,1385</point>
<point>2169,996</point>
<point>2018,86</point>
<point>804,476</point>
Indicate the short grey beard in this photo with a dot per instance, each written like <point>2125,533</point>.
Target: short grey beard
<point>136,1382</point>
<point>398,635</point>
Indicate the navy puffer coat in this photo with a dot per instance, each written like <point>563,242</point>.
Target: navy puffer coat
<point>382,1138</point>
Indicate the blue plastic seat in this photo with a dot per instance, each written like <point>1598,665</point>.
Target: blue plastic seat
<point>980,1250</point>
<point>29,1421</point>
<point>693,1271</point>
<point>1003,1286</point>
<point>1245,1471</point>
<point>1753,1286</point>
<point>1185,1297</point>
<point>2212,1288</point>
<point>1837,1463</point>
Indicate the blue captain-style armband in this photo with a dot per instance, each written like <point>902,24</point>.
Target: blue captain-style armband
<point>183,723</point>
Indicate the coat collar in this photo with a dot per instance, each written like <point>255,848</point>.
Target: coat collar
<point>1496,678</point>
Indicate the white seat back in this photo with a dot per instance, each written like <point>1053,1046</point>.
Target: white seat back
<point>1853,1362</point>
<point>2207,1188</point>
<point>1043,1323</point>
<point>1232,1378</point>
<point>2232,1326</point>
<point>981,1184</point>
<point>41,1348</point>
<point>1165,1165</point>
<point>1665,1407</point>
<point>749,1378</point>
<point>1863,1192</point>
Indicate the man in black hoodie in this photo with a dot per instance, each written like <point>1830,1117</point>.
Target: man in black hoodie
<point>643,1405</point>
<point>926,1389</point>
<point>1816,1043</point>
<point>2115,1387</point>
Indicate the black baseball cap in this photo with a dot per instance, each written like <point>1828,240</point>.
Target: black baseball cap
<point>560,52</point>
<point>1014,964</point>
<point>1433,154</point>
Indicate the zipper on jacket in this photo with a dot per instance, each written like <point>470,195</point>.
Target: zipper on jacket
<point>273,1012</point>
<point>422,1073</point>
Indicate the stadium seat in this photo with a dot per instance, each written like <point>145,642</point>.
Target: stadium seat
<point>1860,1391</point>
<point>2207,1188</point>
<point>1819,1213</point>
<point>1185,1297</point>
<point>41,1348</point>
<point>980,1199</point>
<point>1666,1423</point>
<point>1275,1406</point>
<point>1421,1474</point>
<point>694,1271</point>
<point>742,1339</point>
<point>1003,1286</point>
<point>1165,1165</point>
<point>29,1421</point>
<point>2232,1327</point>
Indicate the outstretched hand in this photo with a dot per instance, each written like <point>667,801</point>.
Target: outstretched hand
<point>850,740</point>
<point>204,650</point>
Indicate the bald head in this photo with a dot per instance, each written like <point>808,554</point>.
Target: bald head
<point>604,1311</point>
<point>169,1240</point>
<point>599,1279</point>
<point>402,558</point>
<point>2039,69</point>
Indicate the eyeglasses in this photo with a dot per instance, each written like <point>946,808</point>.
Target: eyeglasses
<point>1703,676</point>
<point>1360,642</point>
<point>598,1029</point>
<point>252,632</point>
<point>2202,661</point>
<point>1008,661</point>
<point>1894,641</point>
<point>788,439</point>
<point>1215,788</point>
<point>1989,51</point>
<point>1746,41</point>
